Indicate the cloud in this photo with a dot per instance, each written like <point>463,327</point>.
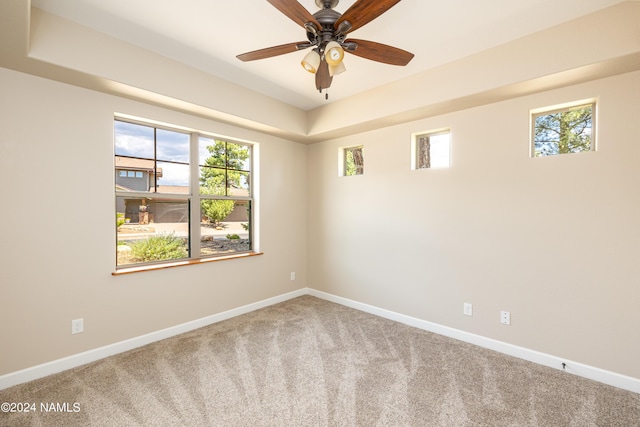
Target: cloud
<point>133,140</point>
<point>173,174</point>
<point>172,146</point>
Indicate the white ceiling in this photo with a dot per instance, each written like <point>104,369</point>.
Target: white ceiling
<point>208,34</point>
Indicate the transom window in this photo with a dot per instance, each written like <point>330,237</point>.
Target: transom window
<point>563,130</point>
<point>352,160</point>
<point>432,149</point>
<point>195,203</point>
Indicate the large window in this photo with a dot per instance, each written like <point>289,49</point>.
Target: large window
<point>189,197</point>
<point>563,130</point>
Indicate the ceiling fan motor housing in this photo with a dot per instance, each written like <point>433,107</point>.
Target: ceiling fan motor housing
<point>327,17</point>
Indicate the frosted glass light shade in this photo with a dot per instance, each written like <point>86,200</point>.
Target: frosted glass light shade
<point>333,53</point>
<point>311,62</point>
<point>337,69</point>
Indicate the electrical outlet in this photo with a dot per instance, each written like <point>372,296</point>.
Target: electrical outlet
<point>505,317</point>
<point>293,275</point>
<point>77,326</point>
<point>468,309</point>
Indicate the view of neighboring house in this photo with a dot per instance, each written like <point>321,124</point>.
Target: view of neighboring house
<point>140,175</point>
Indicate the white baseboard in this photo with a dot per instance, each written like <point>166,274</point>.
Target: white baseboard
<point>580,369</point>
<point>80,359</point>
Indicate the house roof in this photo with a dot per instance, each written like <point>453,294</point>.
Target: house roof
<point>131,163</point>
<point>173,189</point>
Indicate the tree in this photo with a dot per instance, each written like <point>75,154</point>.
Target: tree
<point>216,209</point>
<point>354,161</point>
<point>424,152</point>
<point>222,171</point>
<point>563,132</point>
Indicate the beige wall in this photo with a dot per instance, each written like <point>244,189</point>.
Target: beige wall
<point>552,240</point>
<point>57,260</point>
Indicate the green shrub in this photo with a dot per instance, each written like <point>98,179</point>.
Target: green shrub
<point>233,237</point>
<point>159,248</point>
<point>216,210</point>
<point>119,219</point>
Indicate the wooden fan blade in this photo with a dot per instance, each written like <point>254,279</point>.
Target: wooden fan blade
<point>364,11</point>
<point>270,51</point>
<point>323,78</point>
<point>380,52</point>
<point>295,11</point>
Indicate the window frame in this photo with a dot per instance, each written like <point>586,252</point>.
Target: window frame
<point>192,198</point>
<point>561,108</point>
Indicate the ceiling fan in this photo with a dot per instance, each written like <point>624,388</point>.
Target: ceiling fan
<point>327,36</point>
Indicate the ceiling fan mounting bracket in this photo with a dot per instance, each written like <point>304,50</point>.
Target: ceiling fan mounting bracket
<point>327,3</point>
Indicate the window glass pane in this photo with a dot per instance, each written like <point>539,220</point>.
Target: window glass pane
<point>440,149</point>
<point>138,174</point>
<point>172,146</point>
<point>224,227</point>
<point>353,161</point>
<point>123,173</point>
<point>237,156</point>
<point>238,183</point>
<point>151,230</point>
<point>433,150</point>
<point>213,181</point>
<point>133,140</point>
<point>172,178</point>
<point>212,153</point>
<point>563,132</point>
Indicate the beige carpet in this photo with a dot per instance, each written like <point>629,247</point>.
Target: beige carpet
<point>308,362</point>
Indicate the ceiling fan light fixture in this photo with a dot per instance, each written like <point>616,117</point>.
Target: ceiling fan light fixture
<point>311,62</point>
<point>333,53</point>
<point>326,33</point>
<point>337,69</point>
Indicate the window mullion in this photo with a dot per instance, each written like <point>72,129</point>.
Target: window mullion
<point>194,206</point>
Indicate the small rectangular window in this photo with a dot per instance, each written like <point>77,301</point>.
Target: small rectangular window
<point>563,130</point>
<point>432,150</point>
<point>353,161</point>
